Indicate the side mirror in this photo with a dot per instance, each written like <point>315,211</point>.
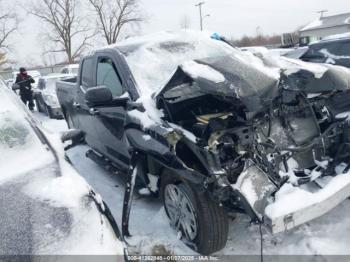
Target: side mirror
<point>97,96</point>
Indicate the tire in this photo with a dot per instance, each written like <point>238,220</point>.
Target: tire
<point>49,111</point>
<point>38,107</point>
<point>211,232</point>
<point>69,121</point>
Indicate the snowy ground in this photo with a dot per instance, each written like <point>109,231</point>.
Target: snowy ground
<point>327,235</point>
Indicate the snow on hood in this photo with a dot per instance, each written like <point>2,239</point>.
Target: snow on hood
<point>196,70</point>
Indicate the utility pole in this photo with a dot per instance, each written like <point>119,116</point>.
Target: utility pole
<point>322,12</point>
<point>200,14</point>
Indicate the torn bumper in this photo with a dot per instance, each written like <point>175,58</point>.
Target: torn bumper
<point>297,205</point>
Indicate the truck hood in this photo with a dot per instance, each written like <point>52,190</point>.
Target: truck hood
<point>255,85</point>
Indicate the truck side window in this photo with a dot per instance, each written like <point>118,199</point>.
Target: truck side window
<point>107,76</point>
<point>86,76</point>
<point>65,71</point>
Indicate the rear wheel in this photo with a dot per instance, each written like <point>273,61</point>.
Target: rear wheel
<point>203,223</point>
<point>38,107</point>
<point>69,121</point>
<point>49,111</point>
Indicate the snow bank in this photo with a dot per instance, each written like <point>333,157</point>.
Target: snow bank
<point>290,199</point>
<point>91,233</point>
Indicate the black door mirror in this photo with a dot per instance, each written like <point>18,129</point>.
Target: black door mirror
<point>98,96</point>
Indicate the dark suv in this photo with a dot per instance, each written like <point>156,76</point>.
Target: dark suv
<point>331,51</point>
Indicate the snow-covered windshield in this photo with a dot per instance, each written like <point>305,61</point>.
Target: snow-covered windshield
<point>20,147</point>
<point>154,58</point>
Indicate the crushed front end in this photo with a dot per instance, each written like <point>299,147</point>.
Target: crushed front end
<point>274,148</point>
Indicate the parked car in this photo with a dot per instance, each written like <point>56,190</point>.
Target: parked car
<point>45,95</point>
<point>214,131</point>
<point>71,69</point>
<point>46,207</point>
<point>332,50</point>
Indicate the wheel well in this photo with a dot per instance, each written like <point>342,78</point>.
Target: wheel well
<point>64,112</point>
<point>188,157</point>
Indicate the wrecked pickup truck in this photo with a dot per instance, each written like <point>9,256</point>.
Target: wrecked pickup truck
<point>214,131</point>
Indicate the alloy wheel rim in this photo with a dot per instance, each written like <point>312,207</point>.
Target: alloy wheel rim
<point>180,211</point>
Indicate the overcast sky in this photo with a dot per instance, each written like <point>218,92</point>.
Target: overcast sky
<point>233,18</point>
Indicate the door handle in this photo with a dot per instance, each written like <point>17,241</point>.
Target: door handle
<point>76,105</point>
<point>93,111</point>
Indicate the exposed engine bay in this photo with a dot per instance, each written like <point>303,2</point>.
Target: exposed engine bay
<point>296,135</point>
<point>293,134</point>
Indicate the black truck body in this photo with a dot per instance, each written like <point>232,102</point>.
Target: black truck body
<point>233,130</point>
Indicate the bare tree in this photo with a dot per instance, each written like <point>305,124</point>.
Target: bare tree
<point>8,25</point>
<point>185,22</point>
<point>115,15</point>
<point>67,30</point>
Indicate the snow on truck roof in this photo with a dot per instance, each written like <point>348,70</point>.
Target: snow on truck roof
<point>154,58</point>
<point>328,21</point>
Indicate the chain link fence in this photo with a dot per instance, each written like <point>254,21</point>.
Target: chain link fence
<point>43,71</point>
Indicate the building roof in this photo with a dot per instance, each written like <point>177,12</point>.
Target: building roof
<point>328,21</point>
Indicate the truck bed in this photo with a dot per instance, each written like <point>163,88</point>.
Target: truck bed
<point>66,93</point>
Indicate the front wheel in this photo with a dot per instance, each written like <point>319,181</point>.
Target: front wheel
<point>49,112</point>
<point>38,107</point>
<point>203,223</point>
<point>69,121</point>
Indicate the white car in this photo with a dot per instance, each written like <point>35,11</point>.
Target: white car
<point>71,69</point>
<point>45,206</point>
<point>45,95</point>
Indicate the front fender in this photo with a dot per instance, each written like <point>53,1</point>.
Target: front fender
<point>162,153</point>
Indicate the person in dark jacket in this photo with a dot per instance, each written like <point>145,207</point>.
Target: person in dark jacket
<point>24,81</point>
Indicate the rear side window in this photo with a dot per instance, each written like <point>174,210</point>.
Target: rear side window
<point>323,50</point>
<point>86,75</point>
<point>344,49</point>
<point>314,52</point>
<point>107,75</point>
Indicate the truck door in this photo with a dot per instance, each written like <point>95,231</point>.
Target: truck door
<point>109,121</point>
<point>85,118</point>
